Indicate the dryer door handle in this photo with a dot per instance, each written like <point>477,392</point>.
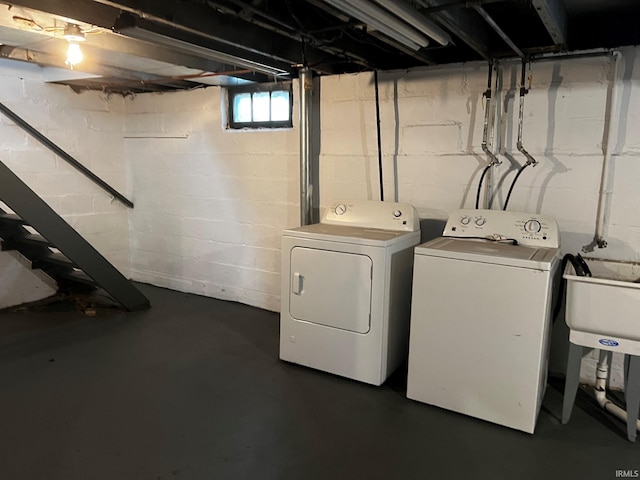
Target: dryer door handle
<point>296,283</point>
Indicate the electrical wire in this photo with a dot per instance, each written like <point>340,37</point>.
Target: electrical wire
<point>513,184</point>
<point>484,172</point>
<point>375,81</point>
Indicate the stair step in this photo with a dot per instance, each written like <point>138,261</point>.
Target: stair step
<point>32,239</point>
<point>78,276</point>
<point>55,258</point>
<point>12,218</point>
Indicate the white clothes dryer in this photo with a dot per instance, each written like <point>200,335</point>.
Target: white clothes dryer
<point>480,316</point>
<point>346,290</point>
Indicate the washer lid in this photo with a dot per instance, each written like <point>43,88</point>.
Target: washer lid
<point>486,251</point>
<point>355,235</point>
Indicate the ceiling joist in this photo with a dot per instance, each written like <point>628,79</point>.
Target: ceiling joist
<point>193,41</point>
<point>554,17</point>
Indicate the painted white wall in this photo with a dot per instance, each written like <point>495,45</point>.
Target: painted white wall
<point>210,203</point>
<point>89,126</point>
<point>431,123</point>
<point>19,284</point>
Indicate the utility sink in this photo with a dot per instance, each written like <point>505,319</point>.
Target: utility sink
<point>603,311</point>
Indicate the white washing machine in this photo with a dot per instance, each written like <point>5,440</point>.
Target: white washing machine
<point>480,316</point>
<point>346,290</point>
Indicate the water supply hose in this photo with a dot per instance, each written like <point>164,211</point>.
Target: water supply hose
<point>484,172</point>
<point>513,184</point>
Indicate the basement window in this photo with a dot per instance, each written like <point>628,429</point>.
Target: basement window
<point>260,106</point>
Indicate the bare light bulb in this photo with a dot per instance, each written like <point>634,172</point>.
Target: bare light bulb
<point>74,55</point>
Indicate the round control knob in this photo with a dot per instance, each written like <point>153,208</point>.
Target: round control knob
<point>480,221</point>
<point>465,220</point>
<point>340,209</point>
<point>532,226</point>
<point>397,213</point>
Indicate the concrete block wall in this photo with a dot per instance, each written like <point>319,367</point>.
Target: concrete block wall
<point>431,133</point>
<point>89,126</point>
<point>19,283</point>
<point>211,203</point>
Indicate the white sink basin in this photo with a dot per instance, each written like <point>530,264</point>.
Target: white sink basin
<point>603,311</point>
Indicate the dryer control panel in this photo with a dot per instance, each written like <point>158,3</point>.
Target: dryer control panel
<point>530,229</point>
<point>373,214</point>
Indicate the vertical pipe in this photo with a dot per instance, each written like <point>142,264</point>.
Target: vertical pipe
<point>306,95</point>
<point>485,134</point>
<point>603,197</point>
<point>523,92</point>
<point>380,174</point>
<point>487,115</point>
<point>497,86</point>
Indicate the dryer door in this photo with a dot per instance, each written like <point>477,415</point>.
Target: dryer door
<point>331,288</point>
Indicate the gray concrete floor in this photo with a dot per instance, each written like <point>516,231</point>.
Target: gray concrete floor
<point>194,389</point>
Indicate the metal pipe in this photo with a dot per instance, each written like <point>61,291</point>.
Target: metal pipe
<point>457,4</point>
<point>65,156</point>
<point>485,131</point>
<point>551,56</point>
<point>306,94</point>
<point>530,160</point>
<point>495,132</point>
<point>604,177</point>
<point>523,91</point>
<point>483,13</point>
<point>593,52</point>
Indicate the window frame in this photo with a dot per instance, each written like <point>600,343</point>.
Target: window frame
<point>259,88</point>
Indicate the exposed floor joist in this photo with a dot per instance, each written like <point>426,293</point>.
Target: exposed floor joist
<point>463,24</point>
<point>554,17</point>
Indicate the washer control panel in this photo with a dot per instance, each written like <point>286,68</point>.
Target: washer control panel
<point>529,229</point>
<point>372,214</point>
